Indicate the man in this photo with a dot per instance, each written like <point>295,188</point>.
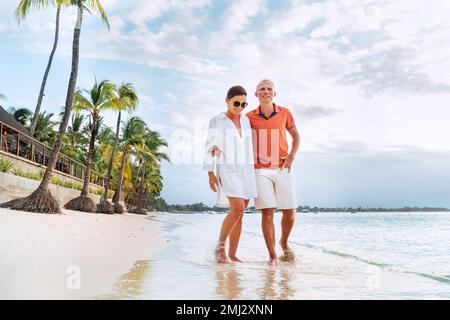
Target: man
<point>273,163</point>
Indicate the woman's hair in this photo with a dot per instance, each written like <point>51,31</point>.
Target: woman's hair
<point>236,91</point>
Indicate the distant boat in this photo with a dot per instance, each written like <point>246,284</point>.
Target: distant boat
<point>305,211</point>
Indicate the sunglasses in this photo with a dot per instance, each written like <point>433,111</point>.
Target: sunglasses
<point>238,104</point>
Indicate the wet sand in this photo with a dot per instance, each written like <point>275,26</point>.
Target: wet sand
<point>170,256</point>
<point>185,268</point>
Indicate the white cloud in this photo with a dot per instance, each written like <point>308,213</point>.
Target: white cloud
<point>296,18</point>
<point>359,76</point>
<point>171,97</point>
<point>237,18</point>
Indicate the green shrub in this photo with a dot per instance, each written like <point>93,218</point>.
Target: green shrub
<point>66,184</point>
<point>6,165</point>
<point>101,192</point>
<point>41,173</point>
<point>17,172</point>
<point>57,181</point>
<point>29,175</point>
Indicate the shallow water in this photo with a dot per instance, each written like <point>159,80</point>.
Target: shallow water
<point>339,256</point>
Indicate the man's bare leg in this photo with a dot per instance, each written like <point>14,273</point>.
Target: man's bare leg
<point>287,223</point>
<point>268,229</point>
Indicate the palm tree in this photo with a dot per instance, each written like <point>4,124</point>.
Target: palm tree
<point>74,138</point>
<point>44,128</point>
<point>126,100</point>
<point>41,200</point>
<point>133,133</point>
<point>149,157</point>
<point>105,139</point>
<point>21,12</point>
<point>44,125</point>
<point>94,101</point>
<point>22,115</point>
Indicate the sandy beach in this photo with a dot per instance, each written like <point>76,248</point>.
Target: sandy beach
<point>71,256</point>
<point>170,256</point>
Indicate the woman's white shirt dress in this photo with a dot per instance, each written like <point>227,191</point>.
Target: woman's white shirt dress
<point>234,167</point>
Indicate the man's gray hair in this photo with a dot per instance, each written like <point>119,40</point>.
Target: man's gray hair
<point>263,81</point>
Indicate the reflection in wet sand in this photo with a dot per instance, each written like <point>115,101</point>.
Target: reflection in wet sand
<point>271,283</point>
<point>131,284</point>
<point>228,283</point>
<point>277,283</point>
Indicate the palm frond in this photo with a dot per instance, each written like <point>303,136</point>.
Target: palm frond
<point>25,5</point>
<point>96,5</point>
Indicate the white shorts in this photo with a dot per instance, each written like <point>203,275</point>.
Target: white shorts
<point>275,189</point>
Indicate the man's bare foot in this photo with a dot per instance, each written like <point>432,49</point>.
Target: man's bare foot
<point>273,261</point>
<point>288,253</point>
<point>234,259</point>
<point>220,253</point>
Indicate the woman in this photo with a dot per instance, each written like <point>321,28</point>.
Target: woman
<point>229,149</point>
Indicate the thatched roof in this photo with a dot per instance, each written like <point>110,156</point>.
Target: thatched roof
<point>8,119</point>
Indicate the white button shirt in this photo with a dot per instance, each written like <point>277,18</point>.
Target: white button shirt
<point>234,167</point>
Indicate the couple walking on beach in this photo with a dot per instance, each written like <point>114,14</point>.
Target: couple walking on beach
<point>247,157</point>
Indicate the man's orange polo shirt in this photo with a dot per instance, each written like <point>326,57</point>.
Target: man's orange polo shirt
<point>269,136</point>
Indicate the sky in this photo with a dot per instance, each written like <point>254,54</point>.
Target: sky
<point>368,83</point>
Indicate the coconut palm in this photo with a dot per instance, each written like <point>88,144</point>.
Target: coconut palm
<point>126,100</point>
<point>44,128</point>
<point>21,12</point>
<point>133,133</point>
<point>149,156</point>
<point>149,181</point>
<point>105,138</point>
<point>41,200</point>
<point>22,115</point>
<point>74,140</point>
<point>94,101</point>
<point>45,132</point>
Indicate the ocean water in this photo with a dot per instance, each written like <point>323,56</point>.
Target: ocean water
<point>339,256</point>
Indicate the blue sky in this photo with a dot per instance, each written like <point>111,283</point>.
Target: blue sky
<point>367,82</point>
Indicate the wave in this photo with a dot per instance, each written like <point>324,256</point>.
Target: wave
<point>385,266</point>
<point>177,222</point>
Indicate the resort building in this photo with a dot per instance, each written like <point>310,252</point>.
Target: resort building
<point>26,152</point>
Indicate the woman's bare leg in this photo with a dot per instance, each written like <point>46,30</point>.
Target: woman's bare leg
<point>237,209</point>
<point>235,235</point>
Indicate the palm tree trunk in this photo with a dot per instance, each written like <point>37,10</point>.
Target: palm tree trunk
<point>111,159</point>
<point>41,200</point>
<point>69,99</point>
<point>138,172</point>
<point>141,188</point>
<point>119,182</point>
<point>87,178</point>
<point>47,70</point>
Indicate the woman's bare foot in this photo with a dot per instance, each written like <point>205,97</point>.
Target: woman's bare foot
<point>273,261</point>
<point>234,259</point>
<point>220,253</point>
